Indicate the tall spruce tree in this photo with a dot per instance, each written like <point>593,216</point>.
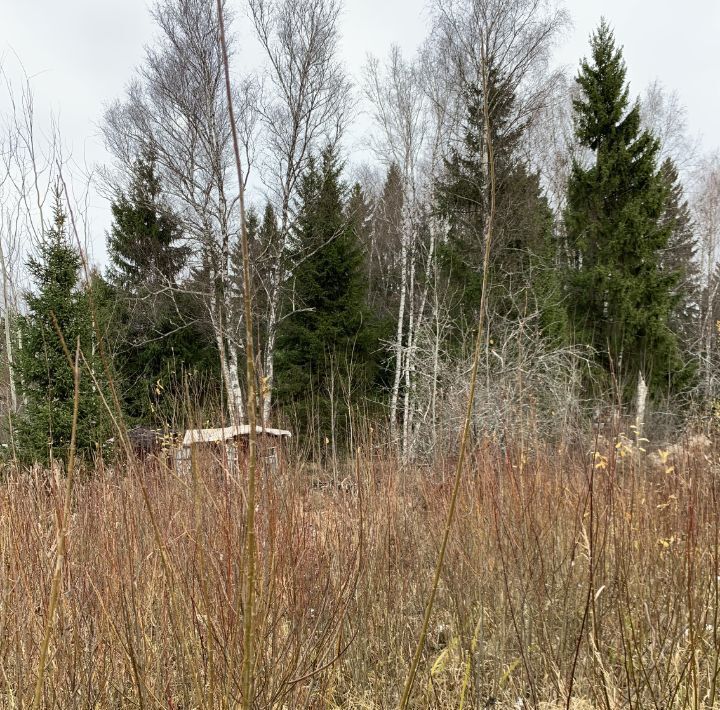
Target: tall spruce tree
<point>620,300</point>
<point>384,247</point>
<point>522,237</point>
<point>360,213</point>
<point>680,259</point>
<point>326,348</point>
<point>58,301</point>
<point>144,243</point>
<point>155,324</point>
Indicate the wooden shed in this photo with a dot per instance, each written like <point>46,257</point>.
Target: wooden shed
<point>226,446</point>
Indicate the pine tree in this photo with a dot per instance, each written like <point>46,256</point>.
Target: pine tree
<point>45,379</point>
<point>326,345</point>
<point>620,300</point>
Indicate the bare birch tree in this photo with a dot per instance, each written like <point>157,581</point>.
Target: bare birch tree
<point>9,257</point>
<point>29,163</point>
<point>515,37</point>
<point>176,109</point>
<point>472,40</point>
<point>550,144</point>
<point>417,111</point>
<point>305,106</point>
<point>706,212</point>
<point>401,118</point>
<point>664,115</point>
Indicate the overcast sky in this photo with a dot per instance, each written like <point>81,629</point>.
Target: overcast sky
<point>81,53</point>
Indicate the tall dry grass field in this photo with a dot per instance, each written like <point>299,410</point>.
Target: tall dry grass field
<point>570,581</point>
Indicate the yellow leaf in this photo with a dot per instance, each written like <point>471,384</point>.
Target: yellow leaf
<point>440,662</point>
<point>509,671</point>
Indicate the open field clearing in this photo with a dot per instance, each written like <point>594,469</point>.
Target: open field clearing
<point>359,354</point>
<point>562,579</point>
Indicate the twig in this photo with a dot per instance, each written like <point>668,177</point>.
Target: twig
<point>247,679</point>
<point>62,527</point>
<point>410,680</point>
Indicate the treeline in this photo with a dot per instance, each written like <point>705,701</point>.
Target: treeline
<point>601,281</point>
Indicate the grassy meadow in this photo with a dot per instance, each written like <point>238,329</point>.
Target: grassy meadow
<point>572,578</point>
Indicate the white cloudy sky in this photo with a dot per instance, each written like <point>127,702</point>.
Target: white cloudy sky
<point>81,53</point>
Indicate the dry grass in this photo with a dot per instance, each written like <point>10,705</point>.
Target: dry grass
<point>562,579</point>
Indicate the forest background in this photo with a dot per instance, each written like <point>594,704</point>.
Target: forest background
<point>367,267</point>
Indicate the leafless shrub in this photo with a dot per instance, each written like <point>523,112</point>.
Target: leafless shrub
<point>529,389</point>
<point>570,580</point>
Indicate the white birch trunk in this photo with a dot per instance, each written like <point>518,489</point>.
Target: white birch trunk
<point>435,366</point>
<point>269,369</point>
<point>269,352</point>
<point>228,367</point>
<point>236,402</point>
<point>8,333</point>
<point>707,360</point>
<point>408,396</point>
<point>395,394</point>
<point>641,399</point>
<point>708,324</point>
<point>416,318</point>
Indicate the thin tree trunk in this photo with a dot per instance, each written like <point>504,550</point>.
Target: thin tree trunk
<point>333,439</point>
<point>229,368</point>
<point>408,398</point>
<point>269,351</point>
<point>236,403</point>
<point>641,401</point>
<point>269,376</point>
<point>711,291</point>
<point>435,367</point>
<point>395,394</point>
<point>416,316</point>
<point>8,335</point>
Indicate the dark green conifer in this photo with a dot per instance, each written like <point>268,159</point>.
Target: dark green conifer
<point>326,348</point>
<point>156,333</point>
<point>384,248</point>
<point>144,243</point>
<point>522,235</point>
<point>58,301</point>
<point>680,258</point>
<point>620,299</point>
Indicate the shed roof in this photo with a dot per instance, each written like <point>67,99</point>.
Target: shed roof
<point>209,436</point>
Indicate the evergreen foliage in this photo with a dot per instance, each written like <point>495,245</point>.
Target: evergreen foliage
<point>360,217</point>
<point>383,247</point>
<point>154,328</point>
<point>327,347</point>
<point>261,233</point>
<point>522,251</point>
<point>680,259</point>
<point>143,243</point>
<point>340,275</point>
<point>59,301</point>
<point>620,299</point>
